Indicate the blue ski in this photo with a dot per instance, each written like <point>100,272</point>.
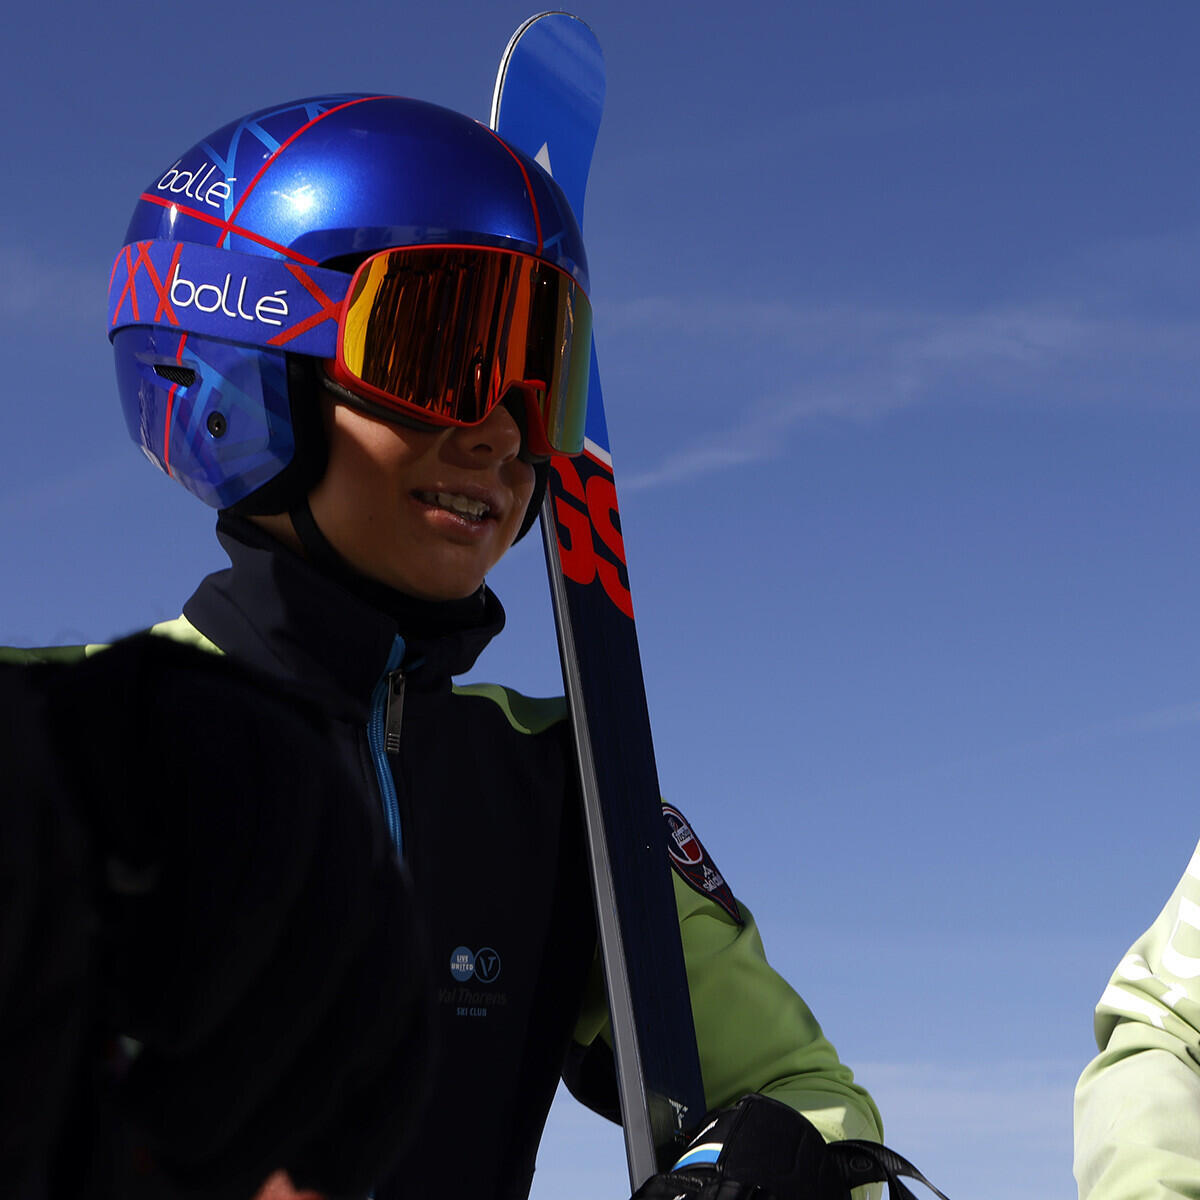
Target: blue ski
<point>548,101</point>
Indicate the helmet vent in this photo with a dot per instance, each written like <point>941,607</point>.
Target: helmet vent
<point>184,376</point>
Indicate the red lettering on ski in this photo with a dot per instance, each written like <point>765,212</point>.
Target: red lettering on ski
<point>597,515</point>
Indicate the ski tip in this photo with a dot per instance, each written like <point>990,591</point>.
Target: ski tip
<point>546,21</point>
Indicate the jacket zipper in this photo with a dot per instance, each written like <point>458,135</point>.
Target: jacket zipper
<point>383,736</point>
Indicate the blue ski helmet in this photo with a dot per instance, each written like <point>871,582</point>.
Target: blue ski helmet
<point>222,298</point>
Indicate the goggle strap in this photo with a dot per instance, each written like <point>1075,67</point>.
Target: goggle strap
<point>243,298</point>
<point>381,412</point>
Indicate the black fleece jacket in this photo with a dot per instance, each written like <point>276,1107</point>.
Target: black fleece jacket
<point>488,812</point>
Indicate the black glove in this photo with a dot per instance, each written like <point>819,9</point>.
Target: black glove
<point>254,934</point>
<point>763,1150</point>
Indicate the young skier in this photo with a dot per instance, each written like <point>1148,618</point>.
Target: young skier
<point>358,326</point>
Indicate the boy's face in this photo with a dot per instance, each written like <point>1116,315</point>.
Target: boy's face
<point>428,513</point>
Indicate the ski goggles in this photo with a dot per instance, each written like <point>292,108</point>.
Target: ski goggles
<point>439,334</point>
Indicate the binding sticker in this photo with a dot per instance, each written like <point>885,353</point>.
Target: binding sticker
<point>693,865</point>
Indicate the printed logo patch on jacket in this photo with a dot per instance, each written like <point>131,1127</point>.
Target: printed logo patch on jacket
<point>693,865</point>
<point>467,968</point>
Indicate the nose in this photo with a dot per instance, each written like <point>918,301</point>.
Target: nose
<point>497,436</point>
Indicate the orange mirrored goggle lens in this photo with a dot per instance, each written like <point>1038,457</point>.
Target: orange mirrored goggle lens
<point>445,333</point>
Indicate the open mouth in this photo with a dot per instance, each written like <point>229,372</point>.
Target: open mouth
<point>460,505</point>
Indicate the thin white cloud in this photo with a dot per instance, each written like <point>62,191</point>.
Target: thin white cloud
<point>1030,332</point>
<point>1159,268</point>
<point>34,287</point>
<point>1024,337</point>
<point>855,364</point>
<point>859,363</point>
<point>763,434</point>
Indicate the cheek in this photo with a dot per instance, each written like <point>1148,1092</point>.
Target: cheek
<point>522,488</point>
<point>357,483</point>
<point>358,494</point>
<point>374,462</point>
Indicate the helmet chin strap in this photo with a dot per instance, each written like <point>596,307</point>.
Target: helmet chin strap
<point>317,546</point>
<point>414,615</point>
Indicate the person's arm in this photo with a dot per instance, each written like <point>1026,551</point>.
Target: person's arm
<point>754,1033</point>
<point>1137,1104</point>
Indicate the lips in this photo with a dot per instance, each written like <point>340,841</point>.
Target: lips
<point>470,507</point>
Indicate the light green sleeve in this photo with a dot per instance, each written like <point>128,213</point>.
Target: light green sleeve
<point>754,1033</point>
<point>1137,1104</point>
<point>180,629</point>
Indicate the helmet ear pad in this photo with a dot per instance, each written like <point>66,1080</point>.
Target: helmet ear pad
<point>210,413</point>
<point>310,455</point>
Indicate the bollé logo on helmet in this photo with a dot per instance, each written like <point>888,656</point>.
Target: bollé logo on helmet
<point>196,185</point>
<point>211,298</point>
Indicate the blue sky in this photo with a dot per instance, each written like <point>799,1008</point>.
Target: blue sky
<point>897,314</point>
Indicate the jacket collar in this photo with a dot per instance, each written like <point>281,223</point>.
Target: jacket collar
<point>272,610</point>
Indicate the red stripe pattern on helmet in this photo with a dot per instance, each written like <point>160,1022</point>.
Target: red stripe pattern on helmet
<point>537,217</point>
<point>283,146</point>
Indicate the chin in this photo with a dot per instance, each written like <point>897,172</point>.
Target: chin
<point>444,590</point>
<point>437,575</point>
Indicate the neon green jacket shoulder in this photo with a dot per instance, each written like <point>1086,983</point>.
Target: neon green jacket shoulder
<point>1137,1104</point>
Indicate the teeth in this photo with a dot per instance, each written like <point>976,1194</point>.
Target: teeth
<point>463,505</point>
